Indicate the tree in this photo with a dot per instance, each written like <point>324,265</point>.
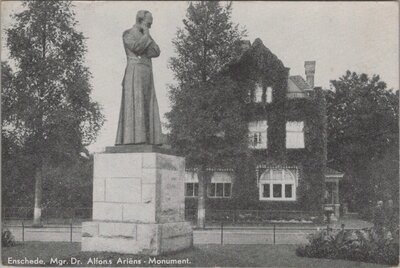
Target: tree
<point>14,167</point>
<point>53,117</point>
<point>363,122</point>
<point>207,117</point>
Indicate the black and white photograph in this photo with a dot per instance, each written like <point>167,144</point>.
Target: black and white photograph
<point>199,133</point>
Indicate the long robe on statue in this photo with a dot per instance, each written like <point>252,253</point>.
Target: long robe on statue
<point>139,119</point>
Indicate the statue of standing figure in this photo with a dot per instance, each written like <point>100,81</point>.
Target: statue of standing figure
<point>139,119</point>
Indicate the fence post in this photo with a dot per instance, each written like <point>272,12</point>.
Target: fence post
<point>23,232</point>
<point>342,227</point>
<point>274,233</point>
<point>70,224</point>
<point>222,232</point>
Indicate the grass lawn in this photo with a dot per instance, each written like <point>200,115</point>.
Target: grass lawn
<point>200,255</point>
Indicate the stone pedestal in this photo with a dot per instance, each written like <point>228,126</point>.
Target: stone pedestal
<point>138,203</point>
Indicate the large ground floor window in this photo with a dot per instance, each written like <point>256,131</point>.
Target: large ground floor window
<point>220,189</point>
<point>278,185</point>
<point>215,190</point>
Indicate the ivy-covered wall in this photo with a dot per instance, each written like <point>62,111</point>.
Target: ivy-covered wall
<point>260,65</point>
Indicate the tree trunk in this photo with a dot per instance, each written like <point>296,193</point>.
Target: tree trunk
<point>202,198</point>
<point>37,213</point>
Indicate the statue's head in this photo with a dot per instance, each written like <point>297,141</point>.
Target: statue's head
<point>144,17</point>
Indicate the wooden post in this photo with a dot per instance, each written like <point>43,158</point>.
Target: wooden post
<point>222,232</point>
<point>274,233</point>
<point>23,232</point>
<point>70,230</point>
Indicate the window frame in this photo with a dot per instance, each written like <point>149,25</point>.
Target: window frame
<point>259,89</point>
<point>268,94</point>
<point>295,132</point>
<point>258,130</point>
<point>223,190</point>
<point>282,182</point>
<point>193,190</point>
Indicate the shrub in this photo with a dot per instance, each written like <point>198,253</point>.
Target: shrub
<point>359,245</point>
<point>7,238</point>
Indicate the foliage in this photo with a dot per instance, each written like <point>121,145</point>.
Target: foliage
<point>49,116</point>
<point>51,112</point>
<point>207,123</point>
<point>363,123</point>
<point>208,41</point>
<point>207,116</point>
<point>357,245</point>
<point>70,184</point>
<point>7,238</point>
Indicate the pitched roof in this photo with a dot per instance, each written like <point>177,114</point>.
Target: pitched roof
<point>299,82</point>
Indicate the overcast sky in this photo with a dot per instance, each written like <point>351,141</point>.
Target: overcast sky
<point>339,36</point>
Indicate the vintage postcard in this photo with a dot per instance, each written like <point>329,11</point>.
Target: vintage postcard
<point>199,134</point>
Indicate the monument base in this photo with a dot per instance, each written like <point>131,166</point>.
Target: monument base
<point>136,238</point>
<point>138,203</point>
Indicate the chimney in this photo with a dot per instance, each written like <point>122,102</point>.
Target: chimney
<point>309,67</point>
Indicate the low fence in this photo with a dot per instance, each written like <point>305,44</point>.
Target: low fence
<point>54,215</point>
<point>219,234</point>
<point>59,233</point>
<point>272,234</point>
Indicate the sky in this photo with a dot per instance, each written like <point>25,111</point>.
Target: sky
<point>339,36</point>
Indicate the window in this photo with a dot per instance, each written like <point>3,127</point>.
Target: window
<point>268,95</point>
<point>278,185</point>
<point>219,190</point>
<point>191,189</point>
<point>258,93</point>
<point>266,190</point>
<point>258,134</point>
<point>294,135</point>
<point>288,190</point>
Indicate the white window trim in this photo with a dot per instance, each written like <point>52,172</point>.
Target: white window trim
<point>271,191</point>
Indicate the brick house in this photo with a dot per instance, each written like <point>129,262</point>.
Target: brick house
<point>287,170</point>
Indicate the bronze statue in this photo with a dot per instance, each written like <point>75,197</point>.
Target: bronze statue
<point>139,119</point>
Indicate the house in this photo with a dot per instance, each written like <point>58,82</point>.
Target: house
<point>287,169</point>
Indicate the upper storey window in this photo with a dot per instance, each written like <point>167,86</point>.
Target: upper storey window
<point>259,94</point>
<point>268,95</point>
<point>294,135</point>
<point>258,134</point>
